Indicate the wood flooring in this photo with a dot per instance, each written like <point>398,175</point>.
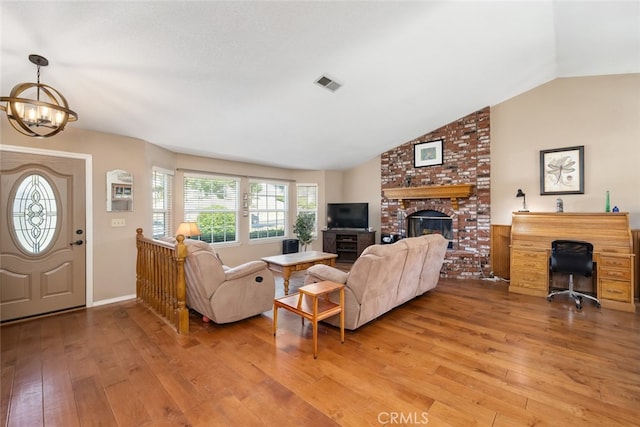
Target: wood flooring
<point>465,354</point>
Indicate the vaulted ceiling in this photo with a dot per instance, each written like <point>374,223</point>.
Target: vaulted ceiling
<point>236,80</point>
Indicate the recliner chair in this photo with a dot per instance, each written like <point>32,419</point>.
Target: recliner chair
<point>226,294</point>
<point>573,257</point>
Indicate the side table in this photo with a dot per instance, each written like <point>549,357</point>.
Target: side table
<point>312,303</point>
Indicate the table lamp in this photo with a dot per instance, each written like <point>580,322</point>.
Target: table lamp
<point>188,229</point>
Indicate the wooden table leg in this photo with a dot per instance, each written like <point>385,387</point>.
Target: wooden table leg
<point>342,315</point>
<point>286,273</point>
<point>315,327</point>
<point>275,318</point>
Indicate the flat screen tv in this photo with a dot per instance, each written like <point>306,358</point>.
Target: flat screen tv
<point>348,215</point>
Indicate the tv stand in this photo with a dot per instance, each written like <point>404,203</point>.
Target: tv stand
<point>348,244</point>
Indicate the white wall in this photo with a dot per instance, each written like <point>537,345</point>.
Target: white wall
<point>363,184</point>
<point>602,113</point>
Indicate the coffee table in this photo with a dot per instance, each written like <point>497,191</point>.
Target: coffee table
<point>308,305</point>
<point>288,263</point>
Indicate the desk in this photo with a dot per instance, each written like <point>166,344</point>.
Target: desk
<point>308,305</point>
<point>286,264</point>
<point>531,237</point>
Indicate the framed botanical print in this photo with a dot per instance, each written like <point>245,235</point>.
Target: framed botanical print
<point>428,154</point>
<point>562,171</point>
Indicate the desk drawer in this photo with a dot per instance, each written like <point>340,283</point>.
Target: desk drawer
<point>530,279</point>
<point>615,290</point>
<point>303,266</point>
<point>607,262</point>
<point>609,273</point>
<point>529,259</point>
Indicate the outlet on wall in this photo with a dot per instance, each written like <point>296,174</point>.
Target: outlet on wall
<point>118,222</point>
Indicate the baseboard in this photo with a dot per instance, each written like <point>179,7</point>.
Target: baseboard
<point>113,300</point>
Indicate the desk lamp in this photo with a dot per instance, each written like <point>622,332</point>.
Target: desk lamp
<point>524,200</point>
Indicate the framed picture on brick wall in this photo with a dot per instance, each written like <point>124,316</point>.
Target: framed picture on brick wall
<point>428,153</point>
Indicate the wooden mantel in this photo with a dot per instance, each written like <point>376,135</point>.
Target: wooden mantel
<point>453,192</point>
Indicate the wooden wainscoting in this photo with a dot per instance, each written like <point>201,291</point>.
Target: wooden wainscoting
<point>501,239</point>
<point>635,235</point>
<point>500,258</point>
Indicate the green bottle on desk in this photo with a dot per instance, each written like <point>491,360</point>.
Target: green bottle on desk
<point>607,205</point>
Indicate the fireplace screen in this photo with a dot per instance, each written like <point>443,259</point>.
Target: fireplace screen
<point>430,222</point>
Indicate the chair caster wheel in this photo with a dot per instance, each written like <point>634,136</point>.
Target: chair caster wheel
<point>598,305</point>
<point>579,307</point>
<point>549,298</point>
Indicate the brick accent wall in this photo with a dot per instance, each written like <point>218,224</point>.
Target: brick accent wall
<point>466,160</point>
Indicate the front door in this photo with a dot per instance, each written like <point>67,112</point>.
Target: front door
<point>42,234</point>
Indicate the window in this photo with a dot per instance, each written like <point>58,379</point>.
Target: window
<point>267,209</point>
<point>212,202</point>
<point>35,214</point>
<point>162,199</point>
<point>308,202</point>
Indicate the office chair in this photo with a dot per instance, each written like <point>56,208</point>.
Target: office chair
<point>573,257</point>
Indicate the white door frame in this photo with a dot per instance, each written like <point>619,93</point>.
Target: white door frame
<point>88,167</point>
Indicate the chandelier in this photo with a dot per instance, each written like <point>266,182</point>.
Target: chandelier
<point>36,109</point>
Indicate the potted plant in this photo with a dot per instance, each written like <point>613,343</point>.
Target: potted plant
<point>304,227</point>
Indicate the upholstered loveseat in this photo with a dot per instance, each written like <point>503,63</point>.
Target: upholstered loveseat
<point>385,276</point>
<point>226,294</point>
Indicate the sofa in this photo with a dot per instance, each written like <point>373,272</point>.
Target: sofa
<point>384,276</point>
<point>225,294</point>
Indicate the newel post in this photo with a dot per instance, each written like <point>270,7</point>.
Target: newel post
<point>182,313</point>
<point>139,263</point>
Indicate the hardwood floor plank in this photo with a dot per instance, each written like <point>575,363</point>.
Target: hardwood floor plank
<point>25,408</point>
<point>381,390</point>
<point>58,397</point>
<point>271,394</point>
<point>145,385</point>
<point>495,395</point>
<point>591,410</point>
<point>128,409</point>
<point>6,391</point>
<point>234,413</point>
<point>106,361</point>
<point>94,408</point>
<point>441,414</point>
<point>52,339</point>
<point>207,414</point>
<point>9,344</point>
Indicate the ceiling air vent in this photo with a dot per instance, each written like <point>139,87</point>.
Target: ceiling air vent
<point>329,83</point>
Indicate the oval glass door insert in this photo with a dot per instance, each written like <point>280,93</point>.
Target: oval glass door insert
<point>35,214</point>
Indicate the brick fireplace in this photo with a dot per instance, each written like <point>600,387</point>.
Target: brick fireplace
<point>466,160</point>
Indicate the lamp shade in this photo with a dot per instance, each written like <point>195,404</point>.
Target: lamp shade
<point>188,229</point>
